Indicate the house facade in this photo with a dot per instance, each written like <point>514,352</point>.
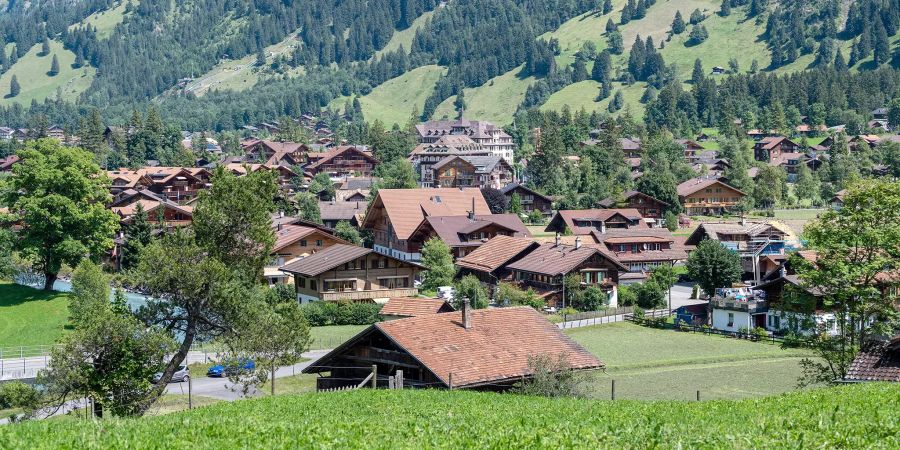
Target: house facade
<point>771,148</point>
<point>426,155</point>
<point>530,199</point>
<point>649,207</point>
<point>708,196</point>
<point>642,250</point>
<point>464,234</point>
<point>292,242</point>
<point>582,222</point>
<point>753,241</point>
<point>489,136</point>
<point>346,272</point>
<point>472,171</point>
<point>341,162</point>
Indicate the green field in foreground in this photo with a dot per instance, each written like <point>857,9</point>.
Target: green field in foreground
<point>331,336</point>
<point>31,316</point>
<point>860,416</point>
<point>654,364</point>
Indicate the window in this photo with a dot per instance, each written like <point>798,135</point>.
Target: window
<point>318,242</point>
<point>730,319</point>
<point>313,284</point>
<point>634,248</point>
<point>303,242</point>
<point>340,285</point>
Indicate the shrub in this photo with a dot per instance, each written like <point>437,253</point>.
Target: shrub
<point>792,340</point>
<point>638,313</point>
<point>16,394</point>
<point>627,296</point>
<point>341,313</point>
<point>760,333</point>
<point>551,378</point>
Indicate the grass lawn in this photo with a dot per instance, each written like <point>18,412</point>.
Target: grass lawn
<point>649,363</point>
<point>394,100</point>
<point>105,21</point>
<point>296,384</point>
<point>31,72</point>
<point>31,316</point>
<point>332,336</point>
<point>405,37</point>
<point>170,403</point>
<point>495,101</point>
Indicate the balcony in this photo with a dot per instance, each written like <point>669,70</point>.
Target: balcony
<point>368,295</point>
<point>748,306</point>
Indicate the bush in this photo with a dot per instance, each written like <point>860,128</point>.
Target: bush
<point>760,333</point>
<point>792,340</point>
<point>649,295</point>
<point>638,313</point>
<point>16,394</point>
<point>320,314</point>
<point>535,217</point>
<point>627,296</point>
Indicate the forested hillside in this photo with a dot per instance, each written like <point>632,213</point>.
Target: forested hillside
<point>221,64</point>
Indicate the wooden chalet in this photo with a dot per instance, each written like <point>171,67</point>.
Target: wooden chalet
<point>771,148</point>
<point>396,213</point>
<point>273,153</point>
<point>708,196</point>
<point>485,349</point>
<point>342,161</point>
<point>334,212</point>
<point>463,234</point>
<point>641,250</point>
<point>158,208</point>
<point>489,261</point>
<point>582,222</point>
<point>472,171</point>
<point>347,272</point>
<point>545,268</point>
<point>649,207</point>
<point>531,200</point>
<point>123,180</point>
<point>426,155</point>
<point>293,241</point>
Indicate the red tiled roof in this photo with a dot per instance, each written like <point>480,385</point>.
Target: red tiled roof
<point>288,234</point>
<point>414,307</point>
<point>877,362</point>
<point>552,259</point>
<point>495,348</point>
<point>696,184</point>
<point>495,253</point>
<point>406,208</point>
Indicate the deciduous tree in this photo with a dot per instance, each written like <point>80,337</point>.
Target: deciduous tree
<point>437,259</point>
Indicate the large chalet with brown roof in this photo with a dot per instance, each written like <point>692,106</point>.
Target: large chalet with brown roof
<point>649,207</point>
<point>273,153</point>
<point>771,148</point>
<point>179,184</point>
<point>294,241</point>
<point>285,175</point>
<point>334,212</point>
<point>342,161</point>
<point>472,171</point>
<point>426,155</point>
<point>530,199</point>
<point>463,234</point>
<point>582,222</point>
<point>489,261</point>
<point>347,272</point>
<point>641,250</point>
<point>395,214</point>
<point>158,208</point>
<point>491,137</point>
<point>545,268</point>
<point>708,196</point>
<point>486,349</point>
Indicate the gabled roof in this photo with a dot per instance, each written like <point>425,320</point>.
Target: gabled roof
<point>696,184</point>
<point>289,234</point>
<point>513,186</point>
<point>339,151</point>
<point>495,349</point>
<point>452,229</point>
<point>325,259</point>
<point>414,307</point>
<point>482,164</point>
<point>127,201</point>
<point>407,208</point>
<point>551,259</point>
<point>609,202</point>
<point>336,210</point>
<point>496,252</point>
<point>569,216</point>
<point>877,361</point>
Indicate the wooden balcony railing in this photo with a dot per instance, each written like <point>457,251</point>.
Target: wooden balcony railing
<point>369,295</point>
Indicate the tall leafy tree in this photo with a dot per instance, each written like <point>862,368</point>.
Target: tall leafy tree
<point>308,207</point>
<point>437,259</point>
<point>713,266</point>
<point>138,234</point>
<point>345,231</point>
<point>59,194</point>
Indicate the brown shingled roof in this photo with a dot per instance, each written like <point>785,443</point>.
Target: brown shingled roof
<point>496,348</point>
<point>325,259</point>
<point>406,208</point>
<point>414,307</point>
<point>696,184</point>
<point>877,362</point>
<point>288,234</point>
<point>452,229</point>
<point>496,252</point>
<point>552,259</point>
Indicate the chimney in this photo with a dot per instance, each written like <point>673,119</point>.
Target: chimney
<point>743,221</point>
<point>466,320</point>
<point>557,238</point>
<point>602,227</point>
<point>577,242</point>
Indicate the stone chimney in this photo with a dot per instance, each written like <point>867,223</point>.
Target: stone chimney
<point>557,238</point>
<point>577,242</point>
<point>466,319</point>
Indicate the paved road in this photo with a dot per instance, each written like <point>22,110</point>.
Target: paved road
<point>681,296</point>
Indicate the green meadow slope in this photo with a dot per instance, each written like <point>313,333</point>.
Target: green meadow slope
<point>860,416</point>
<point>31,71</point>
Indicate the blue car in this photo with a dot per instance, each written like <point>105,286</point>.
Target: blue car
<point>228,369</point>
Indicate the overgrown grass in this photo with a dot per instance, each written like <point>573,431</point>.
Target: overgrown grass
<point>30,317</point>
<point>105,21</point>
<point>405,37</point>
<point>394,100</point>
<point>495,101</point>
<point>860,416</point>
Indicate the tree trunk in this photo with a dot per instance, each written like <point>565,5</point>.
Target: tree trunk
<point>49,279</point>
<point>98,409</point>
<point>179,357</point>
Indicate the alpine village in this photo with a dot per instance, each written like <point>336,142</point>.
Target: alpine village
<point>450,224</point>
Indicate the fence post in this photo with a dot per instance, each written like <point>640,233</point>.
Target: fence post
<point>399,380</point>
<point>391,384</point>
<point>698,395</point>
<point>613,390</point>
<point>450,381</point>
<point>190,386</point>
<point>374,376</point>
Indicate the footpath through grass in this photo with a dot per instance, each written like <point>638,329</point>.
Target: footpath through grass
<point>859,416</point>
<point>30,317</point>
<point>654,364</point>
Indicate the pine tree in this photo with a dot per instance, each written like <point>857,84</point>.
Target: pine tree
<point>602,67</point>
<point>137,236</point>
<point>839,63</point>
<point>261,57</point>
<point>725,9</point>
<point>614,43</point>
<point>641,10</point>
<point>14,87</point>
<point>54,67</point>
<point>14,55</point>
<point>611,26</point>
<point>696,17</point>
<point>882,45</point>
<point>607,7</point>
<point>617,102</point>
<point>79,60</point>
<point>698,75</point>
<point>45,47</point>
<point>579,71</point>
<point>678,23</point>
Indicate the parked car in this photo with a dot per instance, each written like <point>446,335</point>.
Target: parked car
<point>230,368</point>
<point>182,373</point>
